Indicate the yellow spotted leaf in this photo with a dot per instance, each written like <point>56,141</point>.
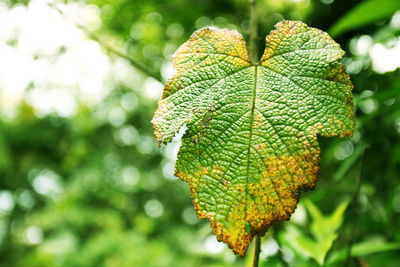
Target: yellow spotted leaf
<point>251,145</point>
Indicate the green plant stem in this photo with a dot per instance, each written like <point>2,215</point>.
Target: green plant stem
<point>257,250</point>
<point>137,65</point>
<point>121,54</point>
<point>253,52</point>
<point>355,210</point>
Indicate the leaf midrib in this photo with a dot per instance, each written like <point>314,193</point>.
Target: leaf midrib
<point>250,137</point>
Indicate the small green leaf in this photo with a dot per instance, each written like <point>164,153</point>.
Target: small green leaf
<point>364,248</point>
<point>323,229</point>
<point>364,14</point>
<point>251,145</point>
<point>346,165</point>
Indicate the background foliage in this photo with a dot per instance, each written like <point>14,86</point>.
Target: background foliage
<point>82,182</point>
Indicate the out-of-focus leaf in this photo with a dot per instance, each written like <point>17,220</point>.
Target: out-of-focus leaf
<point>364,14</point>
<point>349,162</point>
<point>324,226</point>
<point>368,247</point>
<point>251,144</point>
<point>323,229</point>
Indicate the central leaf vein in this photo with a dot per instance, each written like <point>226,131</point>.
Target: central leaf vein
<point>250,137</point>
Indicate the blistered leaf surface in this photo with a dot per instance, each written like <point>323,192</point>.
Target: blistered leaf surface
<point>251,141</point>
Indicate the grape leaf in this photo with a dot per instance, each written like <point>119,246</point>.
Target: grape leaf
<point>251,145</point>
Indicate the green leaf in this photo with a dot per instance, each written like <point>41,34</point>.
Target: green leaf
<point>251,145</point>
<point>365,248</point>
<point>364,14</point>
<point>323,227</point>
<point>346,165</point>
<point>324,230</point>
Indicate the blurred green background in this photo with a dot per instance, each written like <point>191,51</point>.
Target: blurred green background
<point>82,182</point>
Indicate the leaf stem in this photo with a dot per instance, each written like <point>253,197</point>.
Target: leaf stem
<point>257,250</point>
<point>253,51</point>
<point>133,62</point>
<point>355,209</point>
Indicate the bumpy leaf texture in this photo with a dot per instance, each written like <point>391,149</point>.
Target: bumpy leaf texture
<point>251,143</point>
